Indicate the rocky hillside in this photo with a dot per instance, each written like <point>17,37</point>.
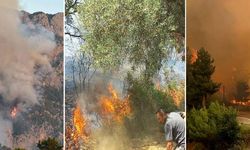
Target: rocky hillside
<point>53,23</point>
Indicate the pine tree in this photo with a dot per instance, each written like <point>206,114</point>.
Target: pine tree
<point>199,82</point>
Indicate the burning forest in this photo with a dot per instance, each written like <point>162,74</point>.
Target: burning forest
<point>120,69</point>
<point>218,74</point>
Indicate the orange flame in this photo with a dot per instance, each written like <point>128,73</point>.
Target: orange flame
<point>113,107</point>
<point>80,124</point>
<point>194,55</point>
<point>238,102</point>
<point>177,97</point>
<point>13,112</point>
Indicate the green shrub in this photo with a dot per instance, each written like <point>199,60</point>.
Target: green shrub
<point>215,127</point>
<point>145,99</point>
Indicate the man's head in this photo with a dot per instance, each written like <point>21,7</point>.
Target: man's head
<point>161,116</point>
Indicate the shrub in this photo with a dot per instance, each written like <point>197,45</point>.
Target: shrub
<point>215,127</point>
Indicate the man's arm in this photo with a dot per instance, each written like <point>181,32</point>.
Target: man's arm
<point>169,145</point>
<point>169,135</point>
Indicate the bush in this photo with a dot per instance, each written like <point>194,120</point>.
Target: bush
<point>215,127</point>
<point>49,144</point>
<point>145,99</point>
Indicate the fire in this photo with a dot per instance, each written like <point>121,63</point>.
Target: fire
<point>177,96</point>
<point>13,112</point>
<point>194,55</point>
<point>80,124</point>
<point>113,107</point>
<point>238,102</point>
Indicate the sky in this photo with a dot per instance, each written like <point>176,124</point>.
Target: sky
<point>47,6</point>
<point>222,27</point>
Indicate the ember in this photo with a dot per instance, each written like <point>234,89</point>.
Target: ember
<point>13,112</point>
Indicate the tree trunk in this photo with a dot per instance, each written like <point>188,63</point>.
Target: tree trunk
<point>204,102</point>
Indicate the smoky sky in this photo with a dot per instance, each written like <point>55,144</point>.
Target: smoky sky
<point>222,27</point>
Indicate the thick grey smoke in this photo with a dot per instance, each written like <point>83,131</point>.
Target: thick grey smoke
<point>222,27</point>
<point>22,50</point>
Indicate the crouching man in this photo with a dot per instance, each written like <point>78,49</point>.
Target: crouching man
<point>174,127</point>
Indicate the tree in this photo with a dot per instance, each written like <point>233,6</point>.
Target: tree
<point>140,32</point>
<point>199,82</point>
<point>242,90</point>
<point>49,144</point>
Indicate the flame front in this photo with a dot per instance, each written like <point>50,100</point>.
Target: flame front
<point>239,102</point>
<point>80,124</point>
<point>114,108</point>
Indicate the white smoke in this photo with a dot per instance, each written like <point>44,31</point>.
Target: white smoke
<point>5,131</point>
<point>21,51</point>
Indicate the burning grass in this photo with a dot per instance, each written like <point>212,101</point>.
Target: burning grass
<point>80,123</point>
<point>114,108</point>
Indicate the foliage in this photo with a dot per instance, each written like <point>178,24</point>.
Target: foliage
<point>199,82</point>
<point>49,144</point>
<point>134,31</point>
<point>19,149</point>
<point>71,7</point>
<point>145,99</point>
<point>215,127</point>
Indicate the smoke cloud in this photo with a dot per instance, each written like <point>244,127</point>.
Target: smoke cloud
<point>222,28</point>
<point>22,51</point>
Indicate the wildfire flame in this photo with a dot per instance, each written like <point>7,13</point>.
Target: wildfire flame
<point>114,108</point>
<point>13,112</point>
<point>194,55</point>
<point>238,102</point>
<point>80,124</point>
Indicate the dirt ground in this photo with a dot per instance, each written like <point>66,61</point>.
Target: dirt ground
<point>244,117</point>
<point>244,120</point>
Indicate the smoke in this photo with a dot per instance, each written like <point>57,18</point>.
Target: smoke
<point>113,139</point>
<point>5,130</point>
<point>222,28</point>
<point>22,51</point>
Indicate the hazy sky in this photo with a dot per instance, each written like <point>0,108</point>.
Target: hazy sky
<point>47,6</point>
<point>223,28</point>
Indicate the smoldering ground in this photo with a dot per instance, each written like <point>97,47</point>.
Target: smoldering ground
<point>222,28</point>
<point>22,50</point>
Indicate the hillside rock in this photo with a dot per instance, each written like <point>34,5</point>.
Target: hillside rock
<point>53,23</point>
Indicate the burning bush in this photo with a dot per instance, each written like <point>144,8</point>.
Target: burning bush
<point>114,108</point>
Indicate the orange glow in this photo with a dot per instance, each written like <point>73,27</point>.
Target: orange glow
<point>194,55</point>
<point>13,112</point>
<point>80,124</point>
<point>114,108</point>
<point>238,102</point>
<point>177,96</point>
